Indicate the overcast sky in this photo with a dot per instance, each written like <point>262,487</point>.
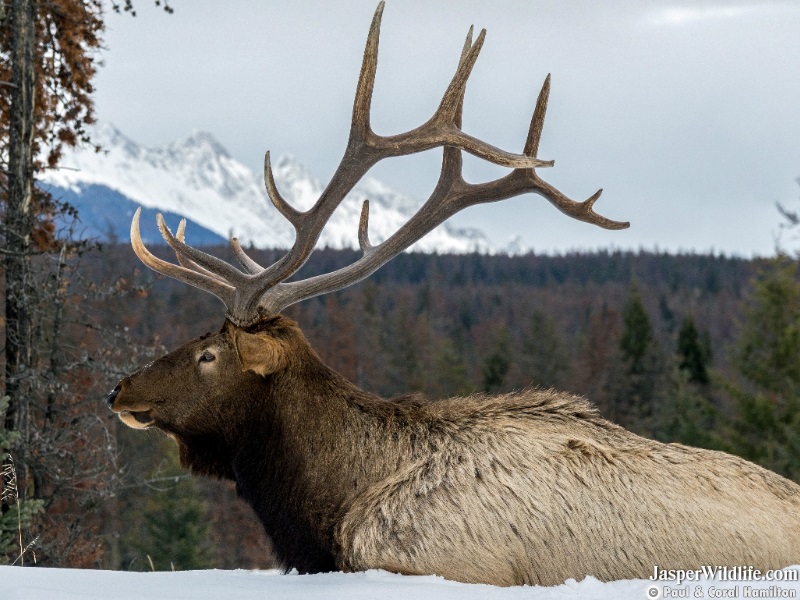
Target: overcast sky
<point>686,113</point>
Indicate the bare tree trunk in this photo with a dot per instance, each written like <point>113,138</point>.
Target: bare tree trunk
<point>19,219</point>
<point>59,293</point>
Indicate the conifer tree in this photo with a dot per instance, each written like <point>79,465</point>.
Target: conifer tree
<point>400,345</point>
<point>634,376</point>
<point>543,359</point>
<point>498,362</point>
<point>449,371</point>
<point>694,352</point>
<point>686,414</point>
<point>766,426</point>
<point>170,529</point>
<point>637,334</point>
<point>686,411</point>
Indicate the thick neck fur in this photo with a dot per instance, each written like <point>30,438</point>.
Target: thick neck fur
<point>297,453</point>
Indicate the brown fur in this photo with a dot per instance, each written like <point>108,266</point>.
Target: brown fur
<point>526,488</point>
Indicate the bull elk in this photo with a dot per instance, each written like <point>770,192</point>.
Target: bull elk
<point>524,488</point>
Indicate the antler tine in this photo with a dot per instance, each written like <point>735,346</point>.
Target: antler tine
<point>579,210</point>
<point>451,156</point>
<point>248,263</point>
<point>287,210</point>
<point>180,235</point>
<point>360,124</point>
<point>457,114</point>
<point>211,263</point>
<point>220,289</point>
<point>363,228</point>
<point>467,43</point>
<point>537,121</point>
<point>453,98</point>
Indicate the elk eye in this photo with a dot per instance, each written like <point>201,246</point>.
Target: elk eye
<point>206,356</point>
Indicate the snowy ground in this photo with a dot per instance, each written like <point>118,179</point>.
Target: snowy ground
<point>54,584</point>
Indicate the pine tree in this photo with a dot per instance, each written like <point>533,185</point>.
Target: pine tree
<point>694,352</point>
<point>635,373</point>
<point>449,370</point>
<point>171,531</point>
<point>400,344</point>
<point>686,414</point>
<point>766,426</point>
<point>543,359</point>
<point>637,334</point>
<point>498,362</point>
<point>686,411</point>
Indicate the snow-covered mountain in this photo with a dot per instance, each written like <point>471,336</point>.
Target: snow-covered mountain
<point>196,178</point>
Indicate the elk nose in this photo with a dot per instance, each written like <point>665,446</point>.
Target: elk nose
<point>113,395</point>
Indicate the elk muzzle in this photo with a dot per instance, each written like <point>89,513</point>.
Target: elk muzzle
<point>137,417</point>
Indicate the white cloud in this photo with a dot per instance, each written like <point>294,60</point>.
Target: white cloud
<point>680,15</point>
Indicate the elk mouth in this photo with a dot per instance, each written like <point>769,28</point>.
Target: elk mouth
<point>136,419</point>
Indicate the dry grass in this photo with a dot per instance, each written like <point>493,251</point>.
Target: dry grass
<point>10,496</point>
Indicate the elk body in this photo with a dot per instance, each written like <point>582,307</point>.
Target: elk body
<point>526,488</point>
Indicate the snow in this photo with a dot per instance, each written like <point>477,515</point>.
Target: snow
<point>18,583</point>
<point>197,178</point>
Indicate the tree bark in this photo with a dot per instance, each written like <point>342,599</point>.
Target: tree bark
<point>19,217</point>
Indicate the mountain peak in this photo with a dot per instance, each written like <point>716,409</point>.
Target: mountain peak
<point>205,140</point>
<point>107,136</point>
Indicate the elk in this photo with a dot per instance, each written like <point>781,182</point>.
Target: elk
<point>531,487</point>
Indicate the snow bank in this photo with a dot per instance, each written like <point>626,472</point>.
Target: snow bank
<point>56,584</point>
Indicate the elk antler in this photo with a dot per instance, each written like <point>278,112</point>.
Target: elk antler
<point>257,290</point>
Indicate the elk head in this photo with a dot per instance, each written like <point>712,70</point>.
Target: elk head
<point>206,375</point>
<point>154,396</point>
<point>212,388</point>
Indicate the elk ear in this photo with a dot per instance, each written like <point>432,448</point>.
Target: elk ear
<point>259,352</point>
